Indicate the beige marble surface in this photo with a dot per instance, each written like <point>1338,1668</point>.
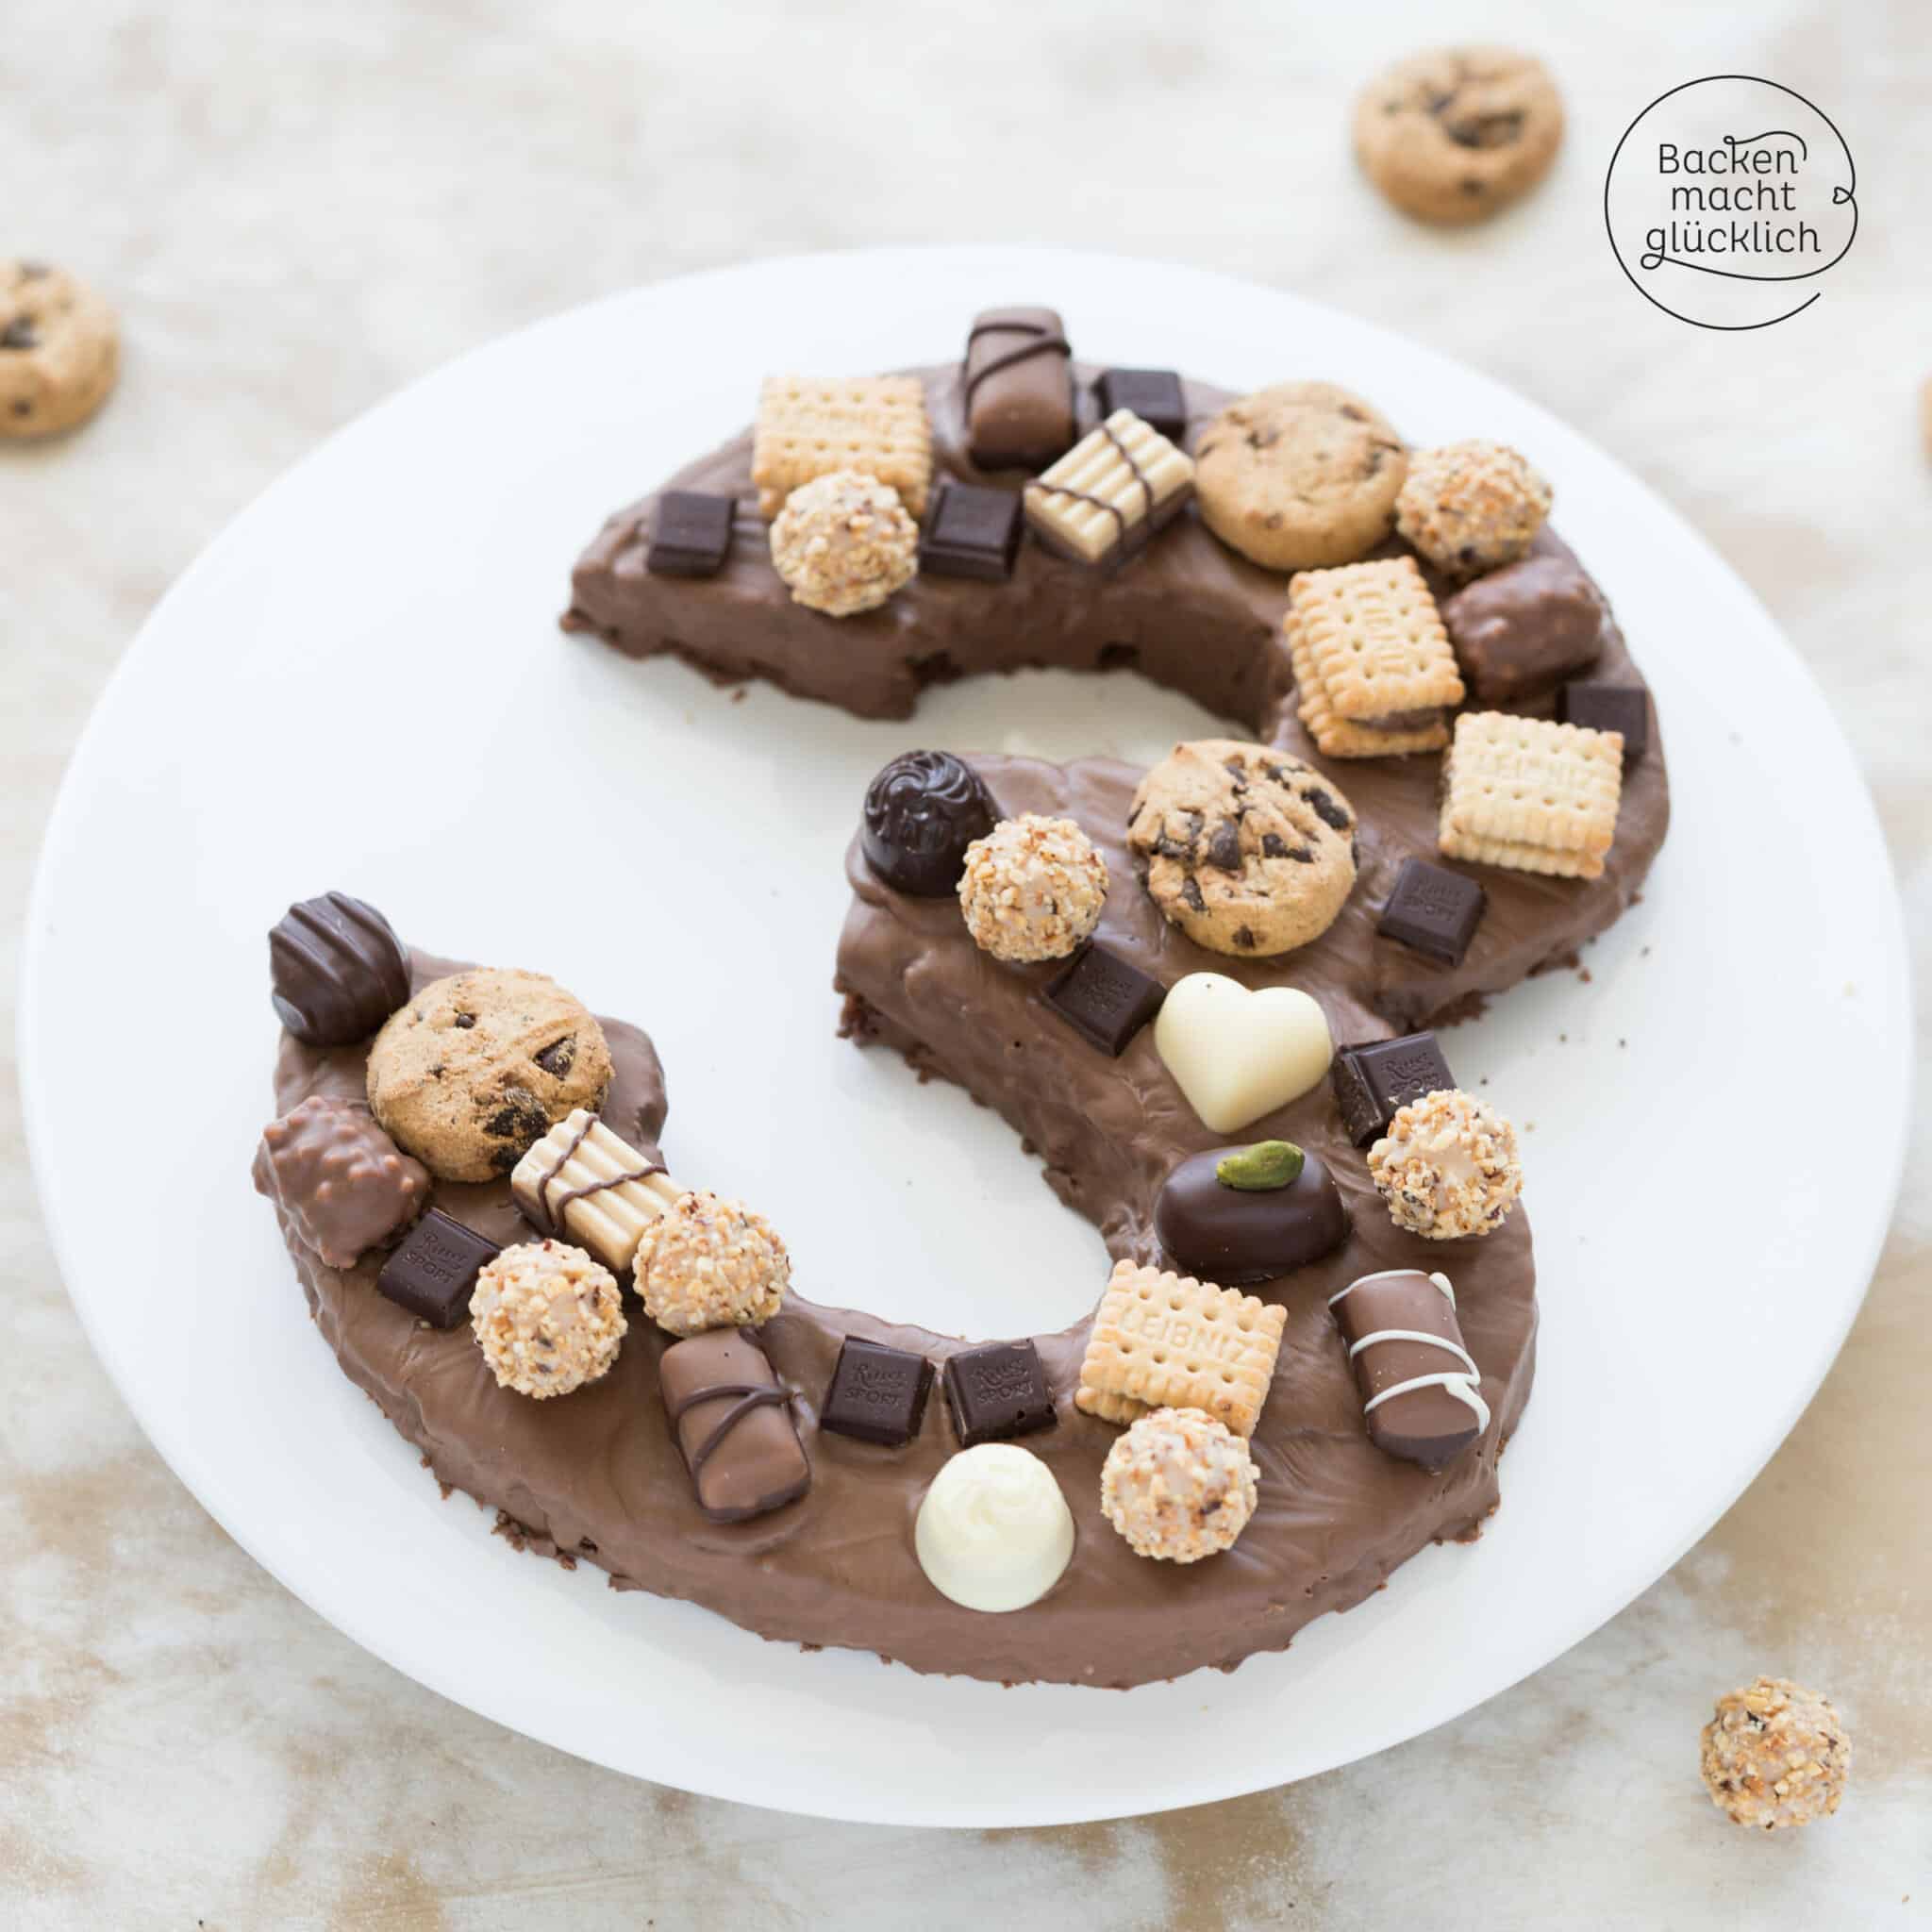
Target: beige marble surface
<point>298,206</point>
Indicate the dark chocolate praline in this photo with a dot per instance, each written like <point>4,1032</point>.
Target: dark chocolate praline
<point>1236,1237</point>
<point>337,970</point>
<point>921,813</point>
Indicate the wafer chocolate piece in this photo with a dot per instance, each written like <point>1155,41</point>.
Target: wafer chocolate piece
<point>582,1183</point>
<point>1238,1235</point>
<point>434,1271</point>
<point>1420,1388</point>
<point>1107,495</point>
<point>1620,708</point>
<point>970,533</point>
<point>1104,998</point>
<point>877,1394</point>
<point>1434,911</point>
<point>1374,1081</point>
<point>344,1184</point>
<point>997,1392</point>
<point>1019,389</point>
<point>732,1418</point>
<point>337,970</point>
<point>691,534</point>
<point>1523,628</point>
<point>1154,395</point>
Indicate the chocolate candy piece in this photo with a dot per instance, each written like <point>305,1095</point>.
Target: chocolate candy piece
<point>691,534</point>
<point>1373,1081</point>
<point>1433,909</point>
<point>1523,628</point>
<point>341,1181</point>
<point>1104,998</point>
<point>1019,391</point>
<point>970,533</point>
<point>1624,707</point>
<point>921,813</point>
<point>1154,395</point>
<point>1420,1388</point>
<point>877,1394</point>
<point>337,970</point>
<point>1236,1237</point>
<point>434,1271</point>
<point>733,1422</point>
<point>996,1391</point>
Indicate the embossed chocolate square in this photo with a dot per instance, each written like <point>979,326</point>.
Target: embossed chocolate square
<point>434,1272</point>
<point>691,536</point>
<point>1619,708</point>
<point>1374,1081</point>
<point>996,1391</point>
<point>877,1395</point>
<point>1434,911</point>
<point>1154,395</point>
<point>1104,998</point>
<point>972,533</point>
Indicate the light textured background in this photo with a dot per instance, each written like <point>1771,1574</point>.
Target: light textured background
<point>297,207</point>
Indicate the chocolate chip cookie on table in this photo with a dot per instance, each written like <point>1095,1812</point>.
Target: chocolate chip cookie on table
<point>59,350</point>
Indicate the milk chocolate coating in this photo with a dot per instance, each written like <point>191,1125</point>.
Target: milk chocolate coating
<point>1019,388</point>
<point>733,1427</point>
<point>1429,1427</point>
<point>337,970</point>
<point>1523,629</point>
<point>920,814</point>
<point>342,1183</point>
<point>1238,1237</point>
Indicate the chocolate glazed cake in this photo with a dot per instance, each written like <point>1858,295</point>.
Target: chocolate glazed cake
<point>597,1475</point>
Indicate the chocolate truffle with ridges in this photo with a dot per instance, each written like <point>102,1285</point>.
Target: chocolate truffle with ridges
<point>1523,628</point>
<point>732,1418</point>
<point>876,1394</point>
<point>1018,388</point>
<point>344,1184</point>
<point>434,1273</point>
<point>1240,1236</point>
<point>996,1391</point>
<point>1434,911</point>
<point>1419,1385</point>
<point>1374,1080</point>
<point>921,813</point>
<point>337,970</point>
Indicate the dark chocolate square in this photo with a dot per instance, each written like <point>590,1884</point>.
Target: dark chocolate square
<point>1154,395</point>
<point>1104,999</point>
<point>432,1274</point>
<point>1374,1080</point>
<point>972,533</point>
<point>877,1394</point>
<point>691,536</point>
<point>997,1392</point>
<point>1624,707</point>
<point>1435,910</point>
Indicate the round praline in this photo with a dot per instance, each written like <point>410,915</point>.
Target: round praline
<point>1236,1237</point>
<point>337,970</point>
<point>921,813</point>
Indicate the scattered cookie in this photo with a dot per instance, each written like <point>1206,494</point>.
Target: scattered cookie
<point>844,544</point>
<point>1299,477</point>
<point>1237,1053</point>
<point>481,1065</point>
<point>1248,851</point>
<point>1530,794</point>
<point>1420,1388</point>
<point>808,428</point>
<point>1032,889</point>
<point>733,1422</point>
<point>1526,627</point>
<point>1447,1167</point>
<point>344,1184</point>
<point>1459,133</point>
<point>1373,671</point>
<point>1471,507</point>
<point>1775,1755</point>
<point>1107,495</point>
<point>547,1318</point>
<point>1179,1486</point>
<point>337,970</point>
<point>993,1531</point>
<point>59,350</point>
<point>710,1265</point>
<point>1163,1341</point>
<point>582,1182</point>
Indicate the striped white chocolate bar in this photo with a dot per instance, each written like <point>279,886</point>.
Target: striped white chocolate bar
<point>582,1183</point>
<point>1111,491</point>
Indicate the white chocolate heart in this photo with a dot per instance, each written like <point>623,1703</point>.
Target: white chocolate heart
<point>1237,1055</point>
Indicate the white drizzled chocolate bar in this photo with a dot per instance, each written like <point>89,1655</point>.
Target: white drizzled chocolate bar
<point>1111,491</point>
<point>582,1183</point>
<point>1420,1388</point>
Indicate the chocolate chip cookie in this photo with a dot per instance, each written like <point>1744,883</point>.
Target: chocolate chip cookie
<point>1459,133</point>
<point>1247,850</point>
<point>1300,477</point>
<point>59,350</point>
<point>480,1066</point>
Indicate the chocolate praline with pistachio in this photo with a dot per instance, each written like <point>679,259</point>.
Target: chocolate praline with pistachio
<point>1225,1216</point>
<point>921,813</point>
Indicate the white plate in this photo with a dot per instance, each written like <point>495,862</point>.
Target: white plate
<point>362,684</point>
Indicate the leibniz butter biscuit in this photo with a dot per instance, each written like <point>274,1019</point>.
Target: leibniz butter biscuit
<point>1343,738</point>
<point>1531,794</point>
<point>808,427</point>
<point>580,1182</point>
<point>1111,491</point>
<point>1165,1341</point>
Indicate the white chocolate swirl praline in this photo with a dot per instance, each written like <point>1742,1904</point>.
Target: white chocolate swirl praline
<point>994,1532</point>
